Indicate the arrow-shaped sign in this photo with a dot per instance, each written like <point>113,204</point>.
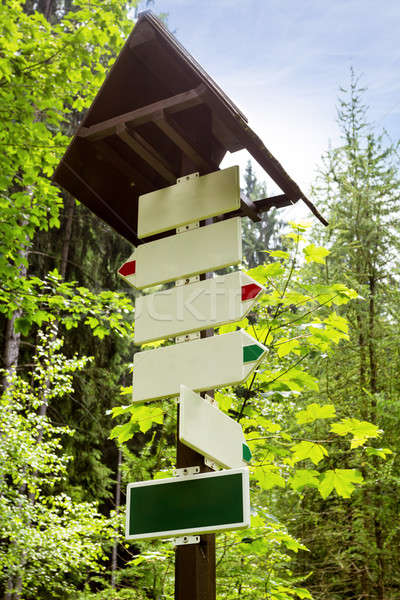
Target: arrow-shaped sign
<point>192,199</point>
<point>200,305</point>
<point>209,431</point>
<point>200,365</point>
<point>185,254</point>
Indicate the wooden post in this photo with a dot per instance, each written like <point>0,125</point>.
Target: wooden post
<point>194,564</point>
<point>195,576</point>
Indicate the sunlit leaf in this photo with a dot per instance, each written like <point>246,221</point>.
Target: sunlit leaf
<point>360,430</point>
<point>308,450</point>
<point>315,411</point>
<point>343,481</point>
<point>316,254</point>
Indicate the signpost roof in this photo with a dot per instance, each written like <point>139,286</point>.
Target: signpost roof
<point>156,111</point>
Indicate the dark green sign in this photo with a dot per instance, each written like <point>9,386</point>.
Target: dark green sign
<point>191,504</point>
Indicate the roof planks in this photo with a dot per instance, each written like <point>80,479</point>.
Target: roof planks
<point>158,116</point>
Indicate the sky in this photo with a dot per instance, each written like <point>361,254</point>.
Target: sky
<point>282,62</point>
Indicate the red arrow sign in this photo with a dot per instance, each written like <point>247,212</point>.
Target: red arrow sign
<point>128,268</point>
<point>251,291</point>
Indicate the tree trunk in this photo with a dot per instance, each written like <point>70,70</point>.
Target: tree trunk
<point>14,585</point>
<point>69,204</point>
<point>12,339</point>
<point>114,558</point>
<point>362,367</point>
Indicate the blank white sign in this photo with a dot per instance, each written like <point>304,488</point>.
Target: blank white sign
<point>185,254</point>
<point>201,305</point>
<point>201,365</point>
<point>195,199</point>
<point>209,431</point>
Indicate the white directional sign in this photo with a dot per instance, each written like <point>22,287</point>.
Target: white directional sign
<point>209,431</point>
<point>200,305</point>
<point>200,365</point>
<point>190,200</point>
<point>185,254</point>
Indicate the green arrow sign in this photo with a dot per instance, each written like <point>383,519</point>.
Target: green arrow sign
<point>252,353</point>
<point>204,503</point>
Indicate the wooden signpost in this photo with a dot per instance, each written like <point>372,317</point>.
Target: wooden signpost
<point>201,305</point>
<point>201,364</point>
<point>193,503</point>
<point>145,160</point>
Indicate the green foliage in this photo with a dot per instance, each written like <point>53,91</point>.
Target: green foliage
<point>295,319</point>
<point>360,430</point>
<point>315,254</point>
<point>315,411</point>
<point>49,299</point>
<point>303,477</point>
<point>51,66</point>
<point>308,450</point>
<point>358,191</point>
<point>47,71</point>
<point>45,534</point>
<point>341,480</point>
<point>142,419</point>
<point>256,562</point>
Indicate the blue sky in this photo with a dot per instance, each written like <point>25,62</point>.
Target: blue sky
<point>282,62</point>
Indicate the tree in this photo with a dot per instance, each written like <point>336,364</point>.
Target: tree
<point>48,541</point>
<point>360,190</point>
<point>262,236</point>
<point>53,57</point>
<point>51,65</point>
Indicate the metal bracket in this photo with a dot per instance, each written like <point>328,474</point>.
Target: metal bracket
<point>188,177</point>
<point>188,227</point>
<point>188,337</point>
<point>186,471</point>
<point>211,400</point>
<point>186,539</point>
<point>188,280</point>
<point>211,464</point>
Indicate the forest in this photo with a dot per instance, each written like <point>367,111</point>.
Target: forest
<point>321,416</point>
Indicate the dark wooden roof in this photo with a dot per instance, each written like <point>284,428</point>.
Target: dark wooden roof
<point>158,116</point>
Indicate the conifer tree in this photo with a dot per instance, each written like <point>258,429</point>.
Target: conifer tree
<point>359,189</point>
<point>265,235</point>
